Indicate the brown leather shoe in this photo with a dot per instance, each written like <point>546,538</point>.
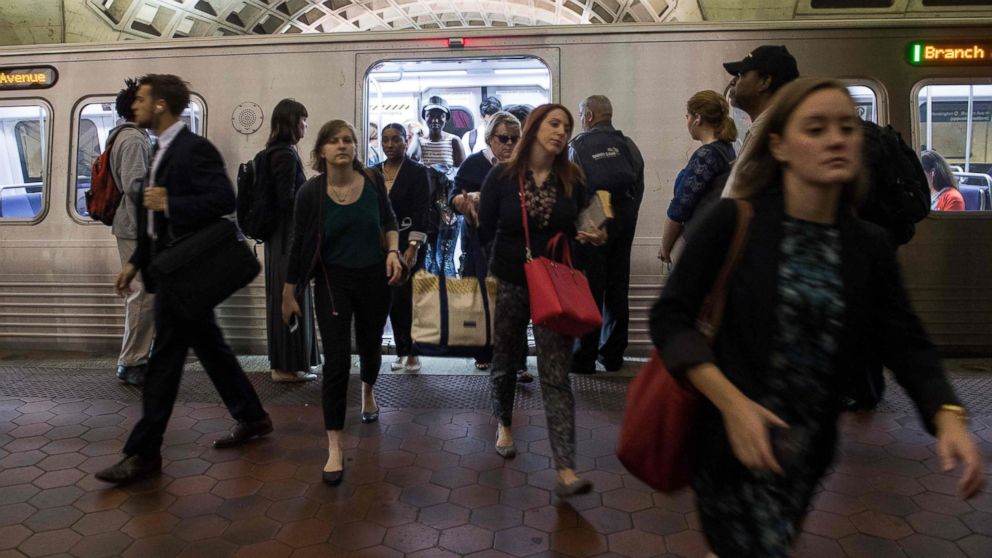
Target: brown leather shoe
<point>130,469</point>
<point>244,431</point>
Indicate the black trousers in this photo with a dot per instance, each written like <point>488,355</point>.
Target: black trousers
<point>362,294</point>
<point>174,336</point>
<point>608,269</point>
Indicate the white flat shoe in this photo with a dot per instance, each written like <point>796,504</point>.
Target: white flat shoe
<point>398,364</point>
<point>413,367</point>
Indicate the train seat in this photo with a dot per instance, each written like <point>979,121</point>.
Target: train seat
<point>975,197</point>
<point>23,206</point>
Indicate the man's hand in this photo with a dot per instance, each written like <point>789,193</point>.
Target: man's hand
<point>122,285</point>
<point>156,198</point>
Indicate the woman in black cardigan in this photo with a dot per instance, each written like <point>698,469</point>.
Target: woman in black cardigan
<point>410,195</point>
<point>291,353</point>
<point>816,290</point>
<point>344,236</point>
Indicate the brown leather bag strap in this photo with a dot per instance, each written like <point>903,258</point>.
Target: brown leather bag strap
<point>711,314</point>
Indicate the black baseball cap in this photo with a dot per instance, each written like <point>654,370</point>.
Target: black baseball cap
<point>771,60</point>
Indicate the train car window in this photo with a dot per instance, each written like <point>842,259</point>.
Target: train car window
<point>95,121</point>
<point>955,121</point>
<point>866,102</point>
<point>23,161</point>
<point>398,91</point>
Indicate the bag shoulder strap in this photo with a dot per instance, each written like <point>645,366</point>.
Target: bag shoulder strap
<point>523,215</point>
<point>552,243</point>
<point>711,314</point>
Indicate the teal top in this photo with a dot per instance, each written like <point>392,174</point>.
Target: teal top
<point>352,235</point>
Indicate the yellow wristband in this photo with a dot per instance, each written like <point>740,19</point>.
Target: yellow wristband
<point>958,411</point>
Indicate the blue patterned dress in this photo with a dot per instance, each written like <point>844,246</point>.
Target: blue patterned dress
<point>698,177</point>
<point>759,514</point>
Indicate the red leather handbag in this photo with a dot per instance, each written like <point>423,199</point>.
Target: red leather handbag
<point>560,297</point>
<point>656,436</point>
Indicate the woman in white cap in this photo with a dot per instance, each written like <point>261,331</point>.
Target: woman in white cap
<point>438,147</point>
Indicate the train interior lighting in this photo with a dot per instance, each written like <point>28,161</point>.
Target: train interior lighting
<point>396,90</point>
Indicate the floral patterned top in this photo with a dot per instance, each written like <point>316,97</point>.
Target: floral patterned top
<point>698,178</point>
<point>540,201</point>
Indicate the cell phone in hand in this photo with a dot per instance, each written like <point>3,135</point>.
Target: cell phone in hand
<point>294,323</point>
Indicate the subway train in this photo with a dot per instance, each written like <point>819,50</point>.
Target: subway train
<point>56,107</point>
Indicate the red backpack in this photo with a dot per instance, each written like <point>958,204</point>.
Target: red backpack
<point>103,198</point>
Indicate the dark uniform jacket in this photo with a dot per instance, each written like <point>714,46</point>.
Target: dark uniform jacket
<point>612,162</point>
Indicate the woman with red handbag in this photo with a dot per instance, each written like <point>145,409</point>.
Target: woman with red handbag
<point>553,196</point>
<point>816,292</point>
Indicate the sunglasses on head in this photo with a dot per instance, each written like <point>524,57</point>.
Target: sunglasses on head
<point>507,139</point>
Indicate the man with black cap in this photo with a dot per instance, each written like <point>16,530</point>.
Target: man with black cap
<point>438,147</point>
<point>756,79</point>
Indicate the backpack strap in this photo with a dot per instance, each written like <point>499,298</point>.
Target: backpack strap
<point>473,136</point>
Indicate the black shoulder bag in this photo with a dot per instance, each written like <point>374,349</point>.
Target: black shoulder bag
<point>203,268</point>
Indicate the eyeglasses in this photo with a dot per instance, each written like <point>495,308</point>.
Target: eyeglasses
<point>507,139</point>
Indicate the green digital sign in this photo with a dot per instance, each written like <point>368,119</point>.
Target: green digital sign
<point>950,53</point>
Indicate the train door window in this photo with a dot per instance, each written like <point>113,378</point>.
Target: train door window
<point>866,101</point>
<point>954,121</point>
<point>398,90</point>
<point>24,139</point>
<point>95,119</point>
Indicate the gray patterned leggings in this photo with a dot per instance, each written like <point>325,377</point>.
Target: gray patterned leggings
<point>554,360</point>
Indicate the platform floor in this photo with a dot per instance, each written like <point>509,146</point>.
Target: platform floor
<point>423,481</point>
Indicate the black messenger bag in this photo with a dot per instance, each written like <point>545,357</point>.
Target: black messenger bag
<point>201,269</point>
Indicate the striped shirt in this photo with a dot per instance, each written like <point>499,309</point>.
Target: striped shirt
<point>437,152</point>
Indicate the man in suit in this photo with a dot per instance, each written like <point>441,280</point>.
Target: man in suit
<point>188,189</point>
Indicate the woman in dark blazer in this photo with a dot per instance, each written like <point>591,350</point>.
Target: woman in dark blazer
<point>291,353</point>
<point>816,291</point>
<point>409,194</point>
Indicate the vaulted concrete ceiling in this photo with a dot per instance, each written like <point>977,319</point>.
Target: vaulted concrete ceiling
<point>56,21</point>
<point>198,18</point>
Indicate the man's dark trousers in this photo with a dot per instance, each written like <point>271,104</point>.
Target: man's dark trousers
<point>607,268</point>
<point>174,336</point>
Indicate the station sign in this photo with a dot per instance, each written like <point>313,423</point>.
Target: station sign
<point>950,53</point>
<point>38,77</point>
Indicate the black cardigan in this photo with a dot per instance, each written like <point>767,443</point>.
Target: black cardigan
<point>410,197</point>
<point>286,171</point>
<point>500,219</point>
<point>470,175</point>
<point>310,201</point>
<point>878,317</point>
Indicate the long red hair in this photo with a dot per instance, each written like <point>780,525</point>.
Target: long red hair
<point>565,170</point>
